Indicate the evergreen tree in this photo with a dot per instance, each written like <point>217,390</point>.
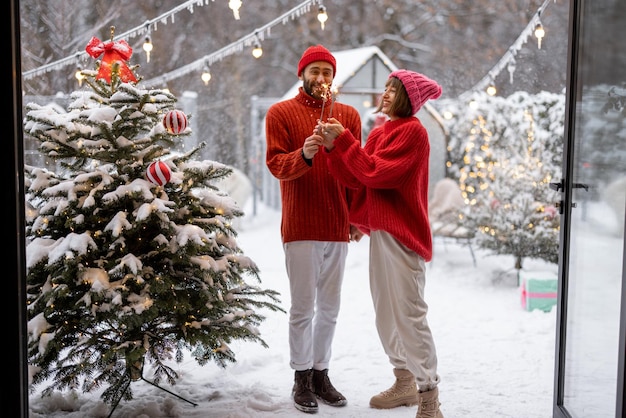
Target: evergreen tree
<point>515,215</point>
<point>123,271</point>
<point>505,153</point>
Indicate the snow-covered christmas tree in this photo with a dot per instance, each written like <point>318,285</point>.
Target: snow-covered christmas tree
<point>505,153</point>
<point>132,259</point>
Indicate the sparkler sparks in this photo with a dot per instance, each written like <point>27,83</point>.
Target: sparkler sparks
<point>327,94</point>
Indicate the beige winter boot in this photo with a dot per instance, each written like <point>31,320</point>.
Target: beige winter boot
<point>402,393</point>
<point>428,406</point>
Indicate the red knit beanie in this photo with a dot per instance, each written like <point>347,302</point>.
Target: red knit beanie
<point>419,87</point>
<point>316,53</point>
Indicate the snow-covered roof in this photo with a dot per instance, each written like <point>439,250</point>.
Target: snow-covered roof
<point>348,64</point>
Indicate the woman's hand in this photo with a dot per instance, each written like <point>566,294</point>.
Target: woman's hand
<point>329,131</point>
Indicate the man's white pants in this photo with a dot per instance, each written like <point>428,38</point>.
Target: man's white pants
<point>315,270</point>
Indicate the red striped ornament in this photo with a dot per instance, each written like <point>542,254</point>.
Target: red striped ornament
<point>175,121</point>
<point>158,173</point>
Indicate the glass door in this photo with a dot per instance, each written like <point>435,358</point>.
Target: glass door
<point>590,350</point>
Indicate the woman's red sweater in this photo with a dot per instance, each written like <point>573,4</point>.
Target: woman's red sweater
<point>390,178</point>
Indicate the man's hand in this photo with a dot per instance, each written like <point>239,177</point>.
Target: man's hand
<point>355,233</point>
<point>311,146</point>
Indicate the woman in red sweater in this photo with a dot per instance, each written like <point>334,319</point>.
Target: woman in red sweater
<point>315,229</point>
<point>390,178</point>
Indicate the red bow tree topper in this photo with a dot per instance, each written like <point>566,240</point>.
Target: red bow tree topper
<point>114,52</point>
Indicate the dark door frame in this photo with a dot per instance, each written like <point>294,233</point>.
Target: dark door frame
<point>14,401</point>
<point>559,410</point>
<point>565,208</point>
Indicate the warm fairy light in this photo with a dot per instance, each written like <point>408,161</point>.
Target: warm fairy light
<point>508,59</point>
<point>234,5</point>
<point>79,76</point>
<point>147,46</point>
<point>206,76</point>
<point>322,16</point>
<point>539,33</point>
<point>232,48</point>
<point>511,69</point>
<point>257,51</point>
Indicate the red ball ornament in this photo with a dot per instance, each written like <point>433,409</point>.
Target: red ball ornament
<point>158,173</point>
<point>175,121</point>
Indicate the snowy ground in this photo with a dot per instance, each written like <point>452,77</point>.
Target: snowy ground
<point>496,360</point>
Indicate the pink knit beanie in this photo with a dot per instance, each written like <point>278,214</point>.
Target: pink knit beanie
<point>316,53</point>
<point>419,87</point>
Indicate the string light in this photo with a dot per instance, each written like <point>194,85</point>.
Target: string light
<point>509,55</point>
<point>196,66</point>
<point>206,75</point>
<point>147,46</point>
<point>234,5</point>
<point>79,76</point>
<point>322,16</point>
<point>245,41</point>
<point>491,88</point>
<point>539,33</point>
<point>511,69</point>
<point>257,51</point>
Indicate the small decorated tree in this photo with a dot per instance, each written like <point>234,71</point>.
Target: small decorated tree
<point>131,257</point>
<point>505,152</point>
<point>515,214</point>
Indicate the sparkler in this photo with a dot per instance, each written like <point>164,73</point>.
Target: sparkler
<point>332,103</point>
<point>326,93</point>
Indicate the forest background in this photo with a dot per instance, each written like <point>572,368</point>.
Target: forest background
<point>454,41</point>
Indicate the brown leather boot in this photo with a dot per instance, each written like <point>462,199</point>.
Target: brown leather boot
<point>428,406</point>
<point>402,393</point>
<point>303,397</point>
<point>325,390</point>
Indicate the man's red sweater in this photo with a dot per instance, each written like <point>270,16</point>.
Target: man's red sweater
<point>390,175</point>
<point>314,204</point>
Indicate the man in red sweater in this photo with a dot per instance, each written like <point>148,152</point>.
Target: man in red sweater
<point>315,229</point>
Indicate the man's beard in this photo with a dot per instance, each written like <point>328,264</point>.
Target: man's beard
<point>313,89</point>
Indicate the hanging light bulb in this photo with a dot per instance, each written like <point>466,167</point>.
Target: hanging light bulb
<point>234,5</point>
<point>322,16</point>
<point>491,90</point>
<point>206,75</point>
<point>147,46</point>
<point>539,33</point>
<point>511,69</point>
<point>257,51</point>
<point>79,76</point>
